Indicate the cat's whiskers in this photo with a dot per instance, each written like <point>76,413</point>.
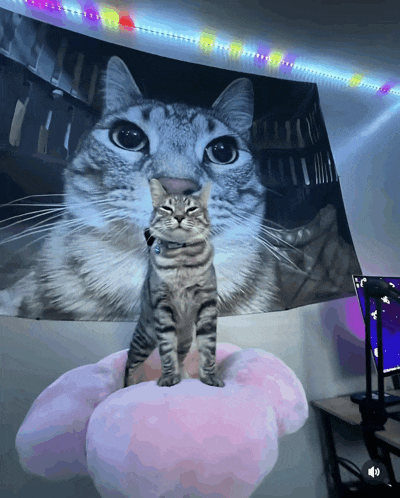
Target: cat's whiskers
<point>246,215</point>
<point>26,217</point>
<point>274,236</point>
<point>43,212</point>
<point>280,255</point>
<point>197,230</point>
<point>31,205</point>
<point>31,197</point>
<point>35,231</point>
<point>16,202</point>
<point>280,240</point>
<point>80,225</point>
<point>31,229</point>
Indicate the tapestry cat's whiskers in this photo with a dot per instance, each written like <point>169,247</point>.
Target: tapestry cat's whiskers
<point>38,214</point>
<point>33,231</point>
<point>270,232</point>
<point>27,217</point>
<point>38,228</point>
<point>273,233</point>
<point>274,251</point>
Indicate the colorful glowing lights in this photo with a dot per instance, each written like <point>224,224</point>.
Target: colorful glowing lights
<point>356,79</point>
<point>261,56</point>
<point>385,89</point>
<point>207,41</point>
<point>125,21</point>
<point>49,6</point>
<point>288,63</point>
<point>275,59</point>
<point>236,49</point>
<point>110,17</point>
<point>97,16</point>
<point>91,15</point>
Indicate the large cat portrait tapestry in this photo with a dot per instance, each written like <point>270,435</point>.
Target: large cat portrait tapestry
<point>85,125</point>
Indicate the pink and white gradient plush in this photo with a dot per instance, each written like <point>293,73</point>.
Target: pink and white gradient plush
<point>172,442</point>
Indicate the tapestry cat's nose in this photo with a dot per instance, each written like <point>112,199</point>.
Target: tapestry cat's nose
<point>178,186</point>
<point>179,218</point>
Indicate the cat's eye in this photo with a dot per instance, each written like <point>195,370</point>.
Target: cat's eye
<point>192,209</point>
<point>167,208</point>
<point>129,136</point>
<point>222,150</point>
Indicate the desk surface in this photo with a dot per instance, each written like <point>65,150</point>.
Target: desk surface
<point>344,409</point>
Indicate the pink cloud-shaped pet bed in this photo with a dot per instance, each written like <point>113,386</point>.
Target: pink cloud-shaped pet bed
<point>189,440</point>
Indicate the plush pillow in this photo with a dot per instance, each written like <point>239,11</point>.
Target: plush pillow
<point>189,440</point>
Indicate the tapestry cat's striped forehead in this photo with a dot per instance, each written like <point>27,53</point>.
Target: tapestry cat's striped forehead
<point>235,106</point>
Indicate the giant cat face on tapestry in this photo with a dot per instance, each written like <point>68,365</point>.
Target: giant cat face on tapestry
<point>86,125</point>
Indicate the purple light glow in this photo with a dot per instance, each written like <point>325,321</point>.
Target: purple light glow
<point>354,319</point>
<point>289,59</point>
<point>263,51</point>
<point>91,16</point>
<point>40,9</point>
<point>385,89</point>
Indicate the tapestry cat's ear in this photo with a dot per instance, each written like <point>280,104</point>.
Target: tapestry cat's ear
<point>205,194</point>
<point>235,105</point>
<point>120,89</point>
<point>157,192</point>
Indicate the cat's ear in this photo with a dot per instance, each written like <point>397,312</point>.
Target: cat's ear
<point>158,193</point>
<point>119,87</point>
<point>235,105</point>
<point>205,194</point>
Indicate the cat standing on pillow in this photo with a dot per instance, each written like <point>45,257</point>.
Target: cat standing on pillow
<point>179,295</point>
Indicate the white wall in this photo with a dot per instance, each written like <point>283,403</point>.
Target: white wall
<point>314,341</point>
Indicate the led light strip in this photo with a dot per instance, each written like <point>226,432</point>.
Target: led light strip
<point>207,42</point>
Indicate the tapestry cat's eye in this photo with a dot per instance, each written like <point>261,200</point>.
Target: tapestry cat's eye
<point>222,150</point>
<point>129,136</point>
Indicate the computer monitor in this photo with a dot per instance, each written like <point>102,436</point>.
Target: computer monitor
<point>390,325</point>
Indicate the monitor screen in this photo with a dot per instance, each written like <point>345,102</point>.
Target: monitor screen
<point>390,325</point>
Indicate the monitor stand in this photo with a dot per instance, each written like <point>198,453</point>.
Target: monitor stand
<point>396,381</point>
<point>389,399</point>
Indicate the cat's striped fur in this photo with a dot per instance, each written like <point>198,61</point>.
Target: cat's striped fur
<point>179,295</point>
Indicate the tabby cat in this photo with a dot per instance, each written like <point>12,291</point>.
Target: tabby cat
<point>93,263</point>
<point>179,295</point>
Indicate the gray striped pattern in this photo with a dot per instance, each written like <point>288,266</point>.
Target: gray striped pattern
<point>179,295</point>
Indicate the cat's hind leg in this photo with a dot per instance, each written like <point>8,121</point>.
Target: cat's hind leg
<point>168,348</point>
<point>183,349</point>
<point>141,347</point>
<point>206,338</point>
<point>167,339</point>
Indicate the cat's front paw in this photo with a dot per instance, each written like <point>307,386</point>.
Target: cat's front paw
<point>169,380</point>
<point>212,380</point>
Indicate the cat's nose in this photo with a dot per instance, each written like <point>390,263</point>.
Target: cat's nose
<point>179,218</point>
<point>178,186</point>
